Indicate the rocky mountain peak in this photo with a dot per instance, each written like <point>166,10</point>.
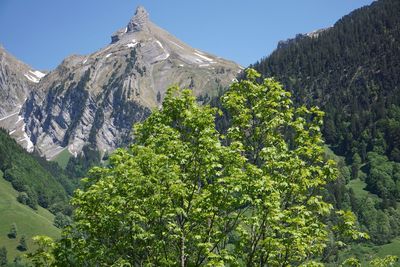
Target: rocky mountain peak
<point>95,99</point>
<point>139,21</point>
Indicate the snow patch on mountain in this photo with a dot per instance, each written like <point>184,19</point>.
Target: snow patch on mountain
<point>8,116</point>
<point>29,145</point>
<point>34,76</point>
<point>19,119</point>
<point>164,54</point>
<point>203,57</point>
<point>160,44</point>
<point>172,42</point>
<point>132,44</point>
<point>38,73</point>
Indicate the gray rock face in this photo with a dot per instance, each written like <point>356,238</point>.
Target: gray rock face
<point>14,86</point>
<point>16,81</point>
<point>139,21</point>
<point>97,98</point>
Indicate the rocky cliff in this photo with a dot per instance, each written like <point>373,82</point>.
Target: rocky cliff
<point>16,81</point>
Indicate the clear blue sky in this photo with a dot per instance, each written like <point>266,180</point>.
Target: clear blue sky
<point>43,32</point>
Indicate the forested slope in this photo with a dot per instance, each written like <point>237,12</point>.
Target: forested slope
<point>38,181</point>
<point>351,71</point>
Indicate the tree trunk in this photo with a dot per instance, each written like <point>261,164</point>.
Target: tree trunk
<point>183,258</point>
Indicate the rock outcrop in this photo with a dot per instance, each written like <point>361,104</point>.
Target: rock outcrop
<point>16,81</point>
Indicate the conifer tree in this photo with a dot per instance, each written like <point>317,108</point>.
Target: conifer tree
<point>22,244</point>
<point>13,231</point>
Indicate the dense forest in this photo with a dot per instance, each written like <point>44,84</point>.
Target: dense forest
<point>351,71</point>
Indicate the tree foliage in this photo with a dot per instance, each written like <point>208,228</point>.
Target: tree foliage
<point>185,195</point>
<point>61,220</point>
<point>284,149</point>
<point>43,255</point>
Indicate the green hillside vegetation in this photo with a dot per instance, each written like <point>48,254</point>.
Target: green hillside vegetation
<point>63,158</point>
<point>351,71</point>
<point>29,222</point>
<point>357,185</point>
<point>367,252</point>
<point>40,182</point>
<point>359,188</point>
<point>77,167</point>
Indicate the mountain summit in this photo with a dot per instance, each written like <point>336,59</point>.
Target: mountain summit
<point>139,21</point>
<point>95,99</point>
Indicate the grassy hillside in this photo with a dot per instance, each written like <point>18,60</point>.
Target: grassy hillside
<point>368,252</point>
<point>62,158</point>
<point>358,187</point>
<point>29,222</point>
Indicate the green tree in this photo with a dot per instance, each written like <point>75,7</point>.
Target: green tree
<point>22,244</point>
<point>23,198</point>
<point>351,262</point>
<point>61,220</point>
<point>158,97</point>
<point>13,231</point>
<point>285,155</point>
<point>380,174</point>
<point>170,199</point>
<point>32,198</point>
<point>44,254</point>
<point>3,256</point>
<point>384,262</point>
<point>179,197</point>
<point>18,261</point>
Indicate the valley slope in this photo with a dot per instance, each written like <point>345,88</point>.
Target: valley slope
<point>351,71</point>
<point>29,222</point>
